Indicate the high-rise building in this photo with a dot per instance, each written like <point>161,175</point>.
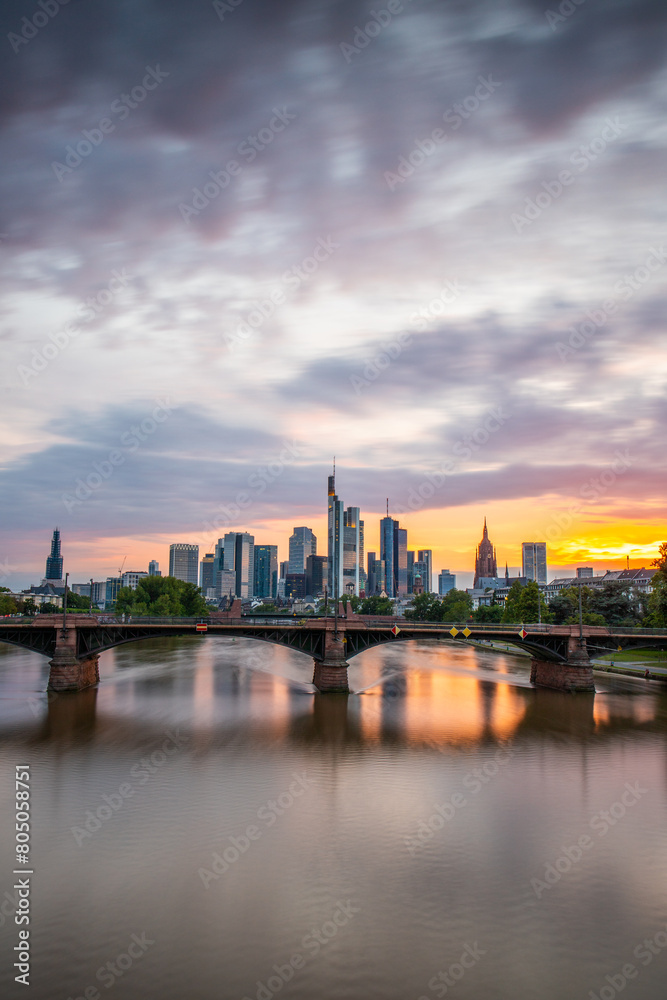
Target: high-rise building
<point>184,562</point>
<point>154,568</point>
<point>266,571</point>
<point>207,573</point>
<point>425,559</point>
<point>353,550</point>
<point>111,588</point>
<point>485,558</point>
<point>240,557</point>
<point>302,544</point>
<point>376,582</point>
<point>446,582</point>
<point>335,539</point>
<point>387,553</point>
<point>316,575</point>
<point>394,553</point>
<point>584,572</point>
<point>131,577</point>
<point>295,586</point>
<point>411,569</point>
<point>226,583</point>
<point>54,562</point>
<point>534,557</point>
<point>99,592</point>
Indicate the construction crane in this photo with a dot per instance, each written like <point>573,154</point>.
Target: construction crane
<point>120,568</point>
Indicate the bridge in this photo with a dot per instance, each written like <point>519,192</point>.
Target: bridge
<point>560,653</point>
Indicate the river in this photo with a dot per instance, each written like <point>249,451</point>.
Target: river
<point>206,826</point>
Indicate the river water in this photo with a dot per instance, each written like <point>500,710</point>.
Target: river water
<point>206,826</point>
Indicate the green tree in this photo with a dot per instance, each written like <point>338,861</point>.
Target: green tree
<point>7,604</point>
<point>456,606</point>
<point>376,605</point>
<point>424,608</point>
<point>657,602</point>
<point>162,596</point>
<point>511,611</point>
<point>488,613</point>
<point>615,605</point>
<point>48,608</point>
<point>527,605</point>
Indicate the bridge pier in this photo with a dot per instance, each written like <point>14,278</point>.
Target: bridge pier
<point>67,672</point>
<point>330,674</point>
<point>576,674</point>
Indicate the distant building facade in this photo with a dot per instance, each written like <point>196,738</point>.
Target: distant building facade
<point>446,582</point>
<point>302,544</point>
<point>266,571</point>
<point>534,560</point>
<point>184,562</point>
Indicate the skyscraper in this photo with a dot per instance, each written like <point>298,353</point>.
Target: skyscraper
<point>335,539</point>
<point>154,568</point>
<point>534,557</point>
<point>425,558</point>
<point>446,582</point>
<point>485,558</point>
<point>316,575</point>
<point>207,573</point>
<point>387,553</point>
<point>302,544</point>
<point>54,562</point>
<point>239,556</point>
<point>184,562</point>
<point>266,571</point>
<point>353,550</point>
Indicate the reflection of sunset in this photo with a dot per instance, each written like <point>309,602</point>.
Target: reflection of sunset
<point>445,708</point>
<point>607,708</point>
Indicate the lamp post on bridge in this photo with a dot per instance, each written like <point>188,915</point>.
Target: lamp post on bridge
<point>65,604</point>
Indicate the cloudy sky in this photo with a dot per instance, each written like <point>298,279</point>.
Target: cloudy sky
<point>239,238</point>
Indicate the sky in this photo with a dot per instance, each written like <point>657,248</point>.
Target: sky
<point>237,239</point>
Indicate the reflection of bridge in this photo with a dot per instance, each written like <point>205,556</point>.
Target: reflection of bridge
<point>560,652</point>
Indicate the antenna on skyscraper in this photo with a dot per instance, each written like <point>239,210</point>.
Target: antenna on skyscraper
<point>387,506</point>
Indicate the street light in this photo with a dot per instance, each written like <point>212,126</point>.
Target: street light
<point>65,603</point>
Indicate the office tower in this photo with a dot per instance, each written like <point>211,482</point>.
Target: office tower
<point>446,582</point>
<point>316,575</point>
<point>376,582</point>
<point>154,568</point>
<point>295,586</point>
<point>401,561</point>
<point>534,557</point>
<point>302,544</point>
<point>131,577</point>
<point>99,592</point>
<point>111,589</point>
<point>584,572</point>
<point>335,539</point>
<point>225,585</point>
<point>54,562</point>
<point>387,525</point>
<point>425,559</point>
<point>184,562</point>
<point>353,550</point>
<point>485,558</point>
<point>240,557</point>
<point>266,571</point>
<point>207,573</point>
<point>411,569</point>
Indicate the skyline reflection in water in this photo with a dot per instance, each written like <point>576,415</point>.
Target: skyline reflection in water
<point>431,801</point>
